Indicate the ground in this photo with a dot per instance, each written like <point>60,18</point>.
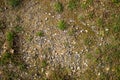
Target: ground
<point>60,40</point>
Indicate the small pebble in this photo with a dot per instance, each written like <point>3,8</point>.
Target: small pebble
<point>86,31</point>
<point>98,74</point>
<point>81,31</point>
<point>46,19</point>
<point>78,68</point>
<point>49,14</point>
<point>106,29</point>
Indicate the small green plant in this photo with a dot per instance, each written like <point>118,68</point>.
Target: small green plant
<point>115,1</point>
<point>100,22</point>
<point>88,41</point>
<point>44,63</point>
<point>22,66</point>
<point>14,3</point>
<point>89,56</point>
<point>10,38</point>
<point>29,38</point>
<point>62,25</point>
<point>18,29</point>
<point>40,33</point>
<point>5,58</point>
<point>58,7</point>
<point>72,4</point>
<point>117,70</point>
<point>61,74</point>
<point>91,15</point>
<point>116,28</point>
<point>86,4</point>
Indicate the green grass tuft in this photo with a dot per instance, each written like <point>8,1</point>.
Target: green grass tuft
<point>5,58</point>
<point>14,3</point>
<point>58,7</point>
<point>72,4</point>
<point>100,22</point>
<point>44,63</point>
<point>18,29</point>
<point>40,33</point>
<point>9,36</point>
<point>62,25</point>
<point>115,1</point>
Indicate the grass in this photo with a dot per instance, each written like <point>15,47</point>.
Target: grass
<point>62,25</point>
<point>72,4</point>
<point>10,38</point>
<point>40,33</point>
<point>18,29</point>
<point>44,63</point>
<point>116,24</point>
<point>91,15</point>
<point>88,41</point>
<point>5,58</point>
<point>2,26</point>
<point>116,28</point>
<point>86,4</point>
<point>14,3</point>
<point>100,22</point>
<point>60,74</point>
<point>29,38</point>
<point>58,7</point>
<point>17,64</point>
<point>22,66</point>
<point>115,1</point>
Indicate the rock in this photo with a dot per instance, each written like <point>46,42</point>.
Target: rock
<point>12,51</point>
<point>99,74</point>
<point>86,31</point>
<point>78,68</point>
<point>49,14</point>
<point>106,29</point>
<point>46,13</point>
<point>46,19</point>
<point>53,16</point>
<point>81,31</point>
<point>107,69</point>
<point>100,44</point>
<point>71,20</point>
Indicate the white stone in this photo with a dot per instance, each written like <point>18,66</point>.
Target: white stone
<point>53,16</point>
<point>46,19</point>
<point>86,31</point>
<point>100,44</point>
<point>49,14</point>
<point>106,29</point>
<point>99,74</point>
<point>81,31</point>
<point>78,68</point>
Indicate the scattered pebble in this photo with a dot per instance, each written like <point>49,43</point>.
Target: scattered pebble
<point>86,31</point>
<point>81,31</point>
<point>99,74</point>
<point>106,29</point>
<point>46,19</point>
<point>49,14</point>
